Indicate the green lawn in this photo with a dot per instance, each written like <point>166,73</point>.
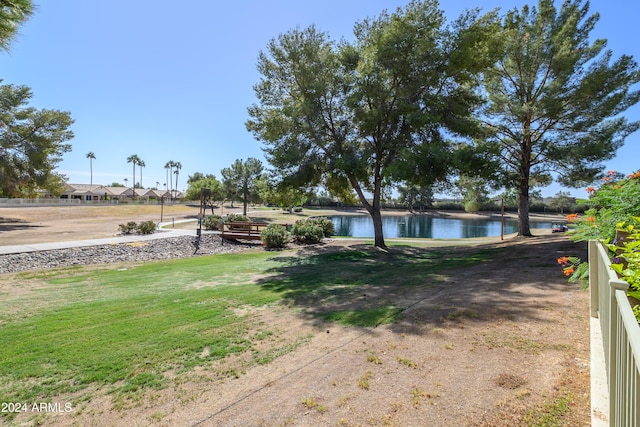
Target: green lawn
<point>123,328</point>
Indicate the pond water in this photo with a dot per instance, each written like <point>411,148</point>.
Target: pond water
<point>426,226</point>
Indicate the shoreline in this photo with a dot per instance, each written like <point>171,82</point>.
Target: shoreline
<point>33,225</point>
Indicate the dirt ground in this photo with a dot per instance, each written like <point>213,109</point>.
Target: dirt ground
<point>500,343</point>
<point>27,225</point>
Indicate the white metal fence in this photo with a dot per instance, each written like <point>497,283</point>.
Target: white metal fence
<point>620,336</point>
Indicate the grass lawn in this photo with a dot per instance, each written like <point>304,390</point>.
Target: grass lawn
<point>124,327</point>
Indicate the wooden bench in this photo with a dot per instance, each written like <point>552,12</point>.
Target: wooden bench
<point>242,230</point>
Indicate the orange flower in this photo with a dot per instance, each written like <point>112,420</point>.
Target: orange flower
<point>591,190</point>
<point>568,271</point>
<point>590,220</point>
<point>572,217</point>
<point>563,260</point>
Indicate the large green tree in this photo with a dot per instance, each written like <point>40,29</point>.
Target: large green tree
<point>556,99</point>
<point>357,116</point>
<point>32,143</point>
<point>240,179</point>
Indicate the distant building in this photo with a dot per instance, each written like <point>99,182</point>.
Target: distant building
<point>88,192</point>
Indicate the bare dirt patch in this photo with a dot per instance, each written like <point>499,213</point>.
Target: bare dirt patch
<point>26,225</point>
<point>493,344</point>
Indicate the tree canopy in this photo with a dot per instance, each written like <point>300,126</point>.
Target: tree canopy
<point>354,116</point>
<point>198,181</point>
<point>13,13</point>
<point>556,99</point>
<point>32,143</point>
<point>240,180</point>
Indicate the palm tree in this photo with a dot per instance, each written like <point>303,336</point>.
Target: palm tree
<point>91,157</point>
<point>141,165</point>
<point>133,159</point>
<point>169,167</point>
<point>178,166</point>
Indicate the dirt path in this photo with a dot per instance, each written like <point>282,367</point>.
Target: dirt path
<point>494,344</point>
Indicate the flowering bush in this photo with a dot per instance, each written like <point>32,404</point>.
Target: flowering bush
<point>614,218</point>
<point>615,202</point>
<point>574,268</point>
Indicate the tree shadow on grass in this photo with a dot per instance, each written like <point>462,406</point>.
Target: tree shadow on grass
<point>416,289</point>
<point>13,224</point>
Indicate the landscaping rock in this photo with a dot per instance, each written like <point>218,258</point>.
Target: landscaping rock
<point>158,249</point>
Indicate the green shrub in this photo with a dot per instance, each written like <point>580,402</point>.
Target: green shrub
<point>307,232</point>
<point>211,222</point>
<point>146,227</point>
<point>128,228</point>
<point>326,224</point>
<point>236,218</point>
<point>274,236</point>
<point>614,217</point>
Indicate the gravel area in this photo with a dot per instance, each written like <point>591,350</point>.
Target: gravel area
<point>157,249</point>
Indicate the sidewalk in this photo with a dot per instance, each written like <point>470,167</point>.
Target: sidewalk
<point>162,233</point>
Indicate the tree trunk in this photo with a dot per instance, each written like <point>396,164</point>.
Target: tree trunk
<point>378,240</point>
<point>373,209</point>
<point>523,210</point>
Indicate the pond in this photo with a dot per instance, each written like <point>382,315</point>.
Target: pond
<point>427,226</point>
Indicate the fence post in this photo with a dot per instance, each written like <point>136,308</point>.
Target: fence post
<point>593,278</point>
<point>614,336</point>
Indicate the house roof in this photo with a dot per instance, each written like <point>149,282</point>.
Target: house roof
<point>101,190</point>
<point>82,189</point>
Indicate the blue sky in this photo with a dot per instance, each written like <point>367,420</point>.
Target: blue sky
<point>172,81</point>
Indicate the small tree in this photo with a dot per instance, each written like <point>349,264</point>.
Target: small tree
<point>240,180</point>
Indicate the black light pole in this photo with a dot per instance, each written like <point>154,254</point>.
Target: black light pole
<point>502,220</point>
<point>205,195</point>
<point>501,217</point>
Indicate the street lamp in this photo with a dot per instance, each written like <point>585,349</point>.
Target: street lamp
<point>501,217</point>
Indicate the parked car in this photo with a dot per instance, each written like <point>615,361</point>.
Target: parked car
<point>559,228</point>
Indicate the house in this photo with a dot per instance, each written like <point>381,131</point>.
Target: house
<point>88,192</point>
<point>154,194</point>
<point>95,192</point>
<point>83,192</point>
